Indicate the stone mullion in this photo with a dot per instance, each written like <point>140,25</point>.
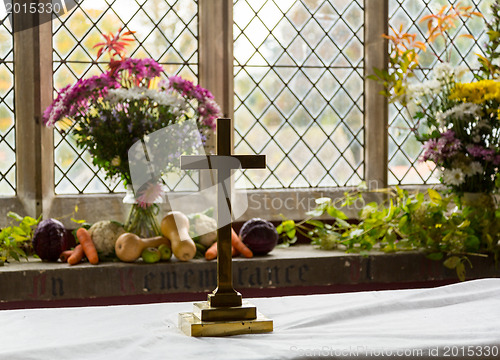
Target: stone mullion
<point>376,105</point>
<point>33,93</point>
<point>216,62</point>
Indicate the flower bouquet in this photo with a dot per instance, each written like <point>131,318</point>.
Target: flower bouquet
<point>457,122</point>
<point>109,113</point>
<point>462,134</point>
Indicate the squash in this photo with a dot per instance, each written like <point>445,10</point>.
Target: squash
<point>129,247</point>
<point>175,226</point>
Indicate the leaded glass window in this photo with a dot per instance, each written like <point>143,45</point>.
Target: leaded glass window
<point>7,119</point>
<point>299,91</point>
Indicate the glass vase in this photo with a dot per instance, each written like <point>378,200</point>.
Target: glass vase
<point>142,220</point>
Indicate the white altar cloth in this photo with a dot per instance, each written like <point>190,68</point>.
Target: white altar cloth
<point>461,319</point>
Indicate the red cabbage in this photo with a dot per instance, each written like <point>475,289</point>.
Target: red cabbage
<point>259,235</point>
<point>51,239</point>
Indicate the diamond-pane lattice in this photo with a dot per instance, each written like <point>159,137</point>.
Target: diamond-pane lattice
<point>404,150</point>
<point>7,126</point>
<point>299,91</point>
<point>166,30</point>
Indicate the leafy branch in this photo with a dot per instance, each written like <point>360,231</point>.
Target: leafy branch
<point>489,63</point>
<point>443,227</point>
<point>15,239</point>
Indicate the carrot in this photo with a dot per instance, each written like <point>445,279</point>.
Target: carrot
<point>211,252</point>
<point>234,252</point>
<point>239,246</point>
<point>87,245</point>
<point>65,255</point>
<point>76,256</point>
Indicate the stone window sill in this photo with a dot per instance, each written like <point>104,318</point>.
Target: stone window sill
<point>300,269</point>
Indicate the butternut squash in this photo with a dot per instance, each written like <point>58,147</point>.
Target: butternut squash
<point>175,227</point>
<point>128,246</point>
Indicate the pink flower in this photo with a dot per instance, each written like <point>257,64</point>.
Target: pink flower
<point>141,68</point>
<point>73,100</point>
<point>207,109</point>
<point>151,193</point>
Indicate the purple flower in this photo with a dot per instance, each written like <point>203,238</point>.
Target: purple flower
<point>430,151</point>
<point>481,152</point>
<point>441,148</point>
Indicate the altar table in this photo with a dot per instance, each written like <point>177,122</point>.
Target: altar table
<point>450,322</point>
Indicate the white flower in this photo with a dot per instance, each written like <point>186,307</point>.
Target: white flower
<point>415,90</point>
<point>135,93</point>
<point>164,98</point>
<point>474,168</point>
<point>459,111</point>
<point>428,87</point>
<point>168,99</point>
<point>433,86</point>
<point>117,95</point>
<point>453,176</point>
<point>440,118</point>
<point>443,71</point>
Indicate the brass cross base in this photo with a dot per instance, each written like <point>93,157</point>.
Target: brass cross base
<point>224,321</point>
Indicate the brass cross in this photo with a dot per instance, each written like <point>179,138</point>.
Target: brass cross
<point>224,162</point>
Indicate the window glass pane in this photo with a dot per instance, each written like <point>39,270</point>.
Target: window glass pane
<point>404,150</point>
<point>7,121</point>
<point>166,30</point>
<point>299,91</point>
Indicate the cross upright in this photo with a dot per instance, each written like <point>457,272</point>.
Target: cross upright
<point>224,162</point>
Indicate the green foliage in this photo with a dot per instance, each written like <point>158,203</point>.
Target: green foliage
<point>394,80</point>
<point>443,227</point>
<point>288,231</point>
<point>16,238</point>
<point>489,63</point>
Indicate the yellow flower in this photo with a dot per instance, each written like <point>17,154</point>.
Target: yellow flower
<point>477,92</point>
<point>93,112</point>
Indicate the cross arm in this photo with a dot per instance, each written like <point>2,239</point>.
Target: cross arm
<point>223,162</point>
